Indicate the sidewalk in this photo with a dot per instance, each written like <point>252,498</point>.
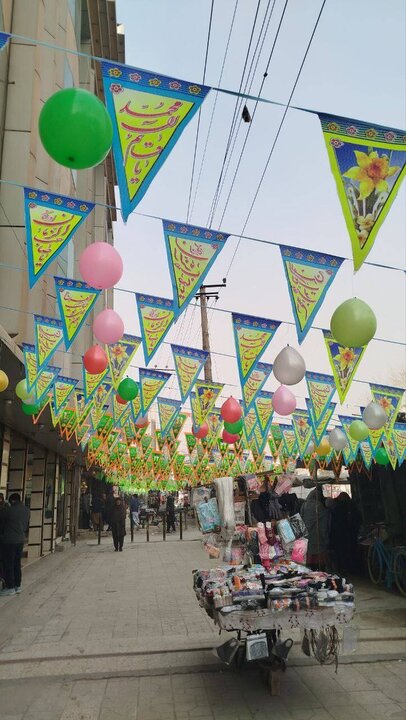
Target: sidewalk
<point>99,634</point>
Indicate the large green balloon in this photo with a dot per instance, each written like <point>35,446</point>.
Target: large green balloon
<point>353,323</point>
<point>381,456</point>
<point>358,430</point>
<point>30,409</point>
<point>233,428</point>
<point>75,128</point>
<point>128,389</point>
<point>23,393</point>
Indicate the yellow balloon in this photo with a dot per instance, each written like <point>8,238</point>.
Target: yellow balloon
<point>3,381</point>
<point>324,447</point>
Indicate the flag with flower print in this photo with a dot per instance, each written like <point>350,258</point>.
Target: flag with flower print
<point>368,163</point>
<point>399,438</point>
<point>50,223</point>
<point>254,383</point>
<point>390,448</point>
<point>206,396</point>
<point>151,384</point>
<point>390,398</point>
<point>344,363</point>
<point>120,355</point>
<point>149,113</point>
<point>156,316</point>
<point>252,336</point>
<point>303,430</point>
<point>191,253</point>
<point>309,275</point>
<point>91,382</point>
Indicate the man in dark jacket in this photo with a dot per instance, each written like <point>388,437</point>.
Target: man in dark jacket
<point>15,521</point>
<point>170,514</point>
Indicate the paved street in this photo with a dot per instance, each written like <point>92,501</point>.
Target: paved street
<point>104,635</point>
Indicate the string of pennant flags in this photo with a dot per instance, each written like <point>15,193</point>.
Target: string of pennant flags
<point>148,113</point>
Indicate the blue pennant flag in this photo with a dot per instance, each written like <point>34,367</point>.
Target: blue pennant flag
<point>151,384</point>
<point>149,112</point>
<point>188,364</point>
<point>62,389</point>
<point>168,411</point>
<point>75,301</point>
<point>48,333</point>
<point>156,316</point>
<point>4,38</point>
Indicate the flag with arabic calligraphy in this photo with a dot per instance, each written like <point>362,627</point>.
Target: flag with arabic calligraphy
<point>303,430</point>
<point>30,363</point>
<point>321,389</point>
<point>191,253</point>
<point>62,390</point>
<point>149,113</point>
<point>82,405</point>
<point>168,410</point>
<point>151,384</point>
<point>254,383</point>
<point>309,275</point>
<point>319,427</point>
<point>206,395</point>
<point>252,336</point>
<point>178,424</point>
<point>120,355</point>
<point>289,440</point>
<point>75,301</point>
<point>264,410</point>
<point>136,407</point>
<point>250,420</point>
<point>188,364</point>
<point>48,333</point>
<point>50,222</point>
<point>260,438</point>
<point>119,409</point>
<point>156,316</point>
<point>194,406</point>
<point>366,452</point>
<point>83,433</point>
<point>39,382</point>
<point>344,363</point>
<point>399,438</point>
<point>368,163</point>
<point>391,400</point>
<point>91,382</point>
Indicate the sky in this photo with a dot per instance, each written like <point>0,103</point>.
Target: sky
<point>355,68</point>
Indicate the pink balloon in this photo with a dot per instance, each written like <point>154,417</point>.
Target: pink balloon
<point>231,410</point>
<point>229,437</point>
<point>284,401</point>
<point>142,421</point>
<point>100,265</point>
<point>202,431</point>
<point>108,327</point>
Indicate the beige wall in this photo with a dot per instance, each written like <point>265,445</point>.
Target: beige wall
<point>34,74</point>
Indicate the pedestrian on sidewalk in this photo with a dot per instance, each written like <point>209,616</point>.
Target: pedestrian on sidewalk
<point>108,509</point>
<point>170,513</point>
<point>118,524</point>
<point>135,510</point>
<point>97,513</point>
<point>15,522</point>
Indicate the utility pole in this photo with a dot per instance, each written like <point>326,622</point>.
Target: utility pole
<point>203,296</point>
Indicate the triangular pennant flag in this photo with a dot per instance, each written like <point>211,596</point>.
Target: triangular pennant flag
<point>368,163</point>
<point>191,252</point>
<point>264,410</point>
<point>289,440</point>
<point>168,410</point>
<point>120,355</point>
<point>156,316</point>
<point>82,405</point>
<point>43,404</point>
<point>136,406</point>
<point>118,410</point>
<point>309,275</point>
<point>321,389</point>
<point>346,421</point>
<point>366,452</point>
<point>319,428</point>
<point>252,336</point>
<point>390,448</point>
<point>4,38</point>
<point>194,406</point>
<point>48,333</point>
<point>206,395</point>
<point>30,364</point>
<point>303,430</point>
<point>92,382</point>
<point>105,426</point>
<point>83,434</point>
<point>102,394</point>
<point>275,439</point>
<point>75,302</point>
<point>50,222</point>
<point>214,422</point>
<point>399,438</point>
<point>151,384</point>
<point>250,420</point>
<point>344,363</point>
<point>188,364</point>
<point>149,112</point>
<point>391,400</point>
<point>178,425</point>
<point>63,388</point>
<point>255,382</point>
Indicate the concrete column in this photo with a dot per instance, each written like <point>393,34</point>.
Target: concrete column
<point>5,456</point>
<point>37,502</point>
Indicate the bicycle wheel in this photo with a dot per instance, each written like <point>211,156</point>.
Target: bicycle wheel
<point>399,570</point>
<point>375,564</point>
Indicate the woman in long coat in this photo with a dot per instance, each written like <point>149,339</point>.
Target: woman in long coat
<point>316,517</point>
<point>118,524</point>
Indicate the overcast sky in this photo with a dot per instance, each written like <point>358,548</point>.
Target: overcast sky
<point>355,68</point>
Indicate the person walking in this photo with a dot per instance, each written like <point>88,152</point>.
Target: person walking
<point>97,513</point>
<point>345,524</point>
<point>316,517</point>
<point>108,509</point>
<point>14,526</point>
<point>118,524</point>
<point>135,511</point>
<point>170,513</point>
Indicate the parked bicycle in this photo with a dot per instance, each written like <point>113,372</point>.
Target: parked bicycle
<point>387,562</point>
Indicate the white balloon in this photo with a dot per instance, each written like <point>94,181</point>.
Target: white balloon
<point>310,448</point>
<point>337,439</point>
<point>374,416</point>
<point>289,367</point>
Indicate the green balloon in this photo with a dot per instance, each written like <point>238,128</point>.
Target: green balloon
<point>381,456</point>
<point>30,409</point>
<point>234,428</point>
<point>358,430</point>
<point>75,128</point>
<point>353,323</point>
<point>22,392</point>
<point>128,389</point>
